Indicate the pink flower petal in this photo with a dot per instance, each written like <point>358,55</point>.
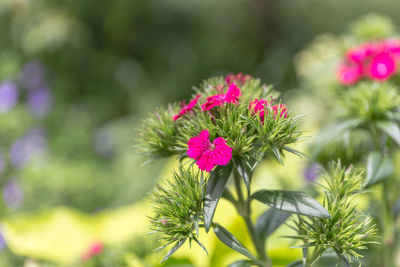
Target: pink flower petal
<point>198,145</point>
<point>350,74</point>
<point>212,101</point>
<point>187,108</point>
<point>233,94</point>
<point>382,66</point>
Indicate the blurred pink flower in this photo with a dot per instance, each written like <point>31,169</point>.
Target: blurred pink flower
<point>382,66</point>
<point>282,108</point>
<point>238,78</point>
<point>187,108</point>
<point>259,106</point>
<point>209,154</point>
<point>361,53</point>
<point>95,248</point>
<point>212,101</point>
<point>233,94</point>
<point>350,74</point>
<point>393,46</point>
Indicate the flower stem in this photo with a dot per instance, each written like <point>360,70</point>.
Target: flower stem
<point>244,211</point>
<point>388,226</point>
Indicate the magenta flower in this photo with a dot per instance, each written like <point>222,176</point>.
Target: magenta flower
<point>350,74</point>
<point>393,46</point>
<point>282,108</point>
<point>231,96</point>
<point>259,106</point>
<point>361,53</point>
<point>382,66</point>
<point>187,108</point>
<point>238,78</point>
<point>209,154</point>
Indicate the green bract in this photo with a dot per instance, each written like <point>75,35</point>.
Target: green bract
<point>348,231</point>
<point>177,207</point>
<point>369,101</point>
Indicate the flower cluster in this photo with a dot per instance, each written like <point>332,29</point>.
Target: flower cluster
<point>228,116</point>
<point>374,60</point>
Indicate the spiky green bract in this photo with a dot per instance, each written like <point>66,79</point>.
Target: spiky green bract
<point>348,231</point>
<point>177,207</point>
<point>157,136</point>
<point>369,101</point>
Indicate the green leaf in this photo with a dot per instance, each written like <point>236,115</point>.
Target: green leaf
<point>298,263</point>
<point>214,189</point>
<point>241,263</point>
<point>269,221</point>
<point>228,196</point>
<point>244,171</point>
<point>378,168</point>
<point>292,201</point>
<point>173,249</point>
<point>391,129</point>
<point>229,240</point>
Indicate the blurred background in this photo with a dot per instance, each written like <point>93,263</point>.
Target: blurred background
<point>77,78</point>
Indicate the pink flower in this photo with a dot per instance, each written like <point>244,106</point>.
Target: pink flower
<point>382,66</point>
<point>361,53</point>
<point>350,74</point>
<point>94,249</point>
<point>259,106</point>
<point>238,78</point>
<point>231,96</point>
<point>212,101</point>
<point>393,46</point>
<point>282,108</point>
<point>209,154</point>
<point>187,108</point>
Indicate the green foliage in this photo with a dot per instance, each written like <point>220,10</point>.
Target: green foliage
<point>178,207</point>
<point>369,101</point>
<point>372,26</point>
<point>348,231</point>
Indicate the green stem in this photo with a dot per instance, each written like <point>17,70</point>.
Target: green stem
<point>388,226</point>
<point>244,211</point>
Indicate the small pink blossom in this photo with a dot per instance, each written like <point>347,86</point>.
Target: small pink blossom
<point>382,66</point>
<point>282,108</point>
<point>209,154</point>
<point>233,94</point>
<point>212,101</point>
<point>238,78</point>
<point>393,46</point>
<point>259,106</point>
<point>187,108</point>
<point>350,74</point>
<point>95,248</point>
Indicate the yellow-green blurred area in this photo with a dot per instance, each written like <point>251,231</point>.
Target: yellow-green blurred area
<point>78,77</point>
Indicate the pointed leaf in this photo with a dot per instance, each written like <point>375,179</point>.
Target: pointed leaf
<point>229,240</point>
<point>241,263</point>
<point>173,249</point>
<point>244,171</point>
<point>269,221</point>
<point>214,190</point>
<point>378,168</point>
<point>391,129</point>
<point>292,201</point>
<point>298,263</point>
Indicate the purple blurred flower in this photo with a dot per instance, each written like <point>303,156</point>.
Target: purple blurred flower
<point>12,194</point>
<point>31,145</point>
<point>39,101</point>
<point>311,172</point>
<point>33,75</point>
<point>8,96</point>
<point>3,243</point>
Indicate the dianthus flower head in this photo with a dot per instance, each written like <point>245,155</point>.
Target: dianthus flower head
<point>350,74</point>
<point>361,53</point>
<point>393,46</point>
<point>209,154</point>
<point>259,106</point>
<point>382,66</point>
<point>231,96</point>
<point>187,108</point>
<point>238,78</point>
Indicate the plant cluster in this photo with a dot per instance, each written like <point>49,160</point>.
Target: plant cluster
<point>228,127</point>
